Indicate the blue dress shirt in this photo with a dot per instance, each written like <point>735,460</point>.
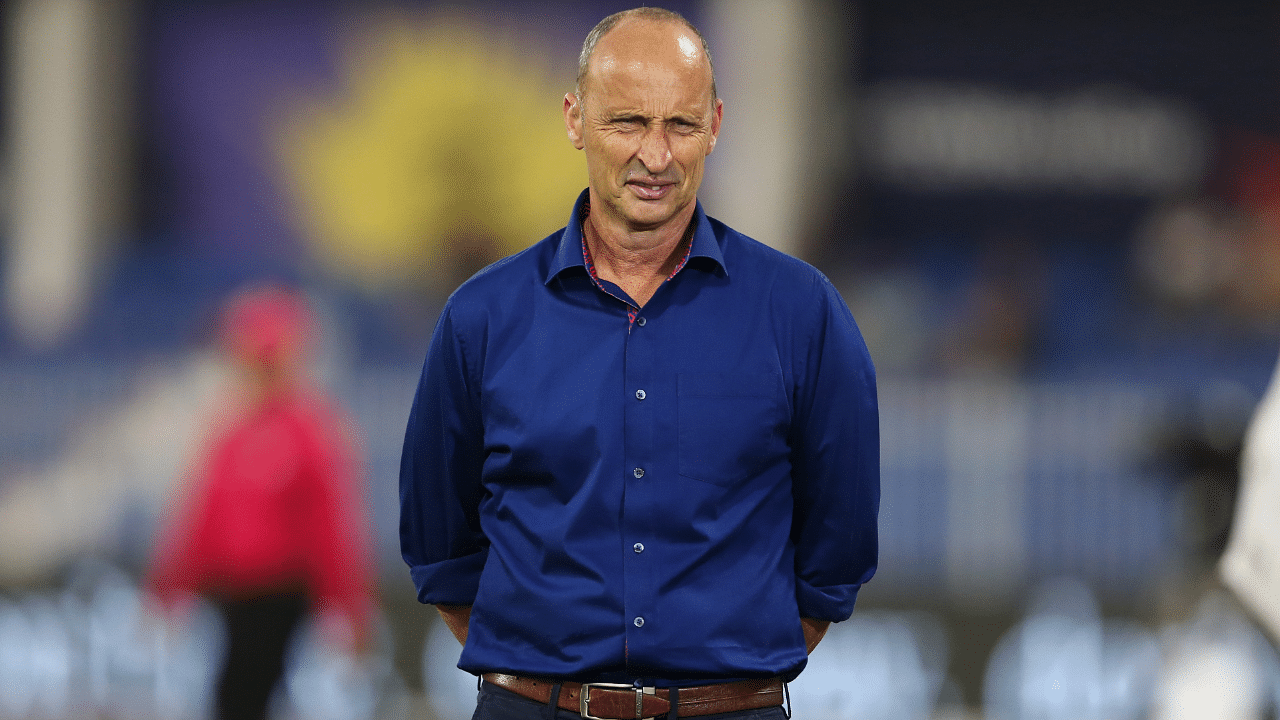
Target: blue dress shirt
<point>659,499</point>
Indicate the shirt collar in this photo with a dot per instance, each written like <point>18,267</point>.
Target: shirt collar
<point>569,252</point>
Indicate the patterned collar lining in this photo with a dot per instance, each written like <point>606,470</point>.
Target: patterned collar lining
<point>632,310</point>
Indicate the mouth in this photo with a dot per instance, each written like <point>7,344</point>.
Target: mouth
<point>649,190</point>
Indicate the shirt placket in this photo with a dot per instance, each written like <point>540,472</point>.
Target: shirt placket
<point>639,476</point>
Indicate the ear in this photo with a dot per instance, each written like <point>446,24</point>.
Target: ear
<point>716,116</point>
<point>573,120</point>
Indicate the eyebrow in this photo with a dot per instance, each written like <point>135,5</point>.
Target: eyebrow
<point>681,118</point>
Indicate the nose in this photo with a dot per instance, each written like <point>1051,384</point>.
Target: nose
<point>655,150</point>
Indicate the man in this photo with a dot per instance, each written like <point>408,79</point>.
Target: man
<point>643,452</point>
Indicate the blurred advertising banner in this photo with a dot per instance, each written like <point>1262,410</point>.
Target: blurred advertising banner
<point>389,146</point>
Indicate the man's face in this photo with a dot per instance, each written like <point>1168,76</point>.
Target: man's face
<point>646,122</point>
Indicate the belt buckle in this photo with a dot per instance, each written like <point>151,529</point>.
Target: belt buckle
<point>584,698</point>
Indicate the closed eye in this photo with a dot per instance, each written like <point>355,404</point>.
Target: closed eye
<point>629,124</point>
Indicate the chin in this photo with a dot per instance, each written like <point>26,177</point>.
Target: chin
<point>652,214</point>
<point>647,221</point>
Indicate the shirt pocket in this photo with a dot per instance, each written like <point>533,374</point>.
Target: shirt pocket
<point>730,426</point>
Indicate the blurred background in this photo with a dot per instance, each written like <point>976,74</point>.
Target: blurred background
<point>1058,225</point>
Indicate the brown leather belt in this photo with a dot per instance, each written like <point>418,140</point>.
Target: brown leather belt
<point>609,701</point>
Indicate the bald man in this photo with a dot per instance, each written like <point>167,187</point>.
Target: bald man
<point>641,472</point>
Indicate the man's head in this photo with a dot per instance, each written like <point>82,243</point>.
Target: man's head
<point>646,114</point>
<point>265,330</point>
<point>648,13</point>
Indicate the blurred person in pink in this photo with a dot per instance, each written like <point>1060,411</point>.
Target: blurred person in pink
<point>272,526</point>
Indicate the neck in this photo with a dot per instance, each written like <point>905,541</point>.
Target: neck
<point>265,382</point>
<point>627,256</point>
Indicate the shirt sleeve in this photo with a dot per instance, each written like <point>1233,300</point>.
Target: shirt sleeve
<point>182,552</point>
<point>342,554</point>
<point>440,489</point>
<point>835,462</point>
<point>177,569</point>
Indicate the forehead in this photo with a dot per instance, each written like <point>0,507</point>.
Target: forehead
<point>649,60</point>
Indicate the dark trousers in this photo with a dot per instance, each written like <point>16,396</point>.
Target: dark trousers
<point>495,703</point>
<point>258,634</point>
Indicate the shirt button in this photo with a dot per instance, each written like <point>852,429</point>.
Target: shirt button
<point>639,622</point>
<point>641,321</point>
<point>638,547</point>
<point>638,472</point>
<point>639,394</point>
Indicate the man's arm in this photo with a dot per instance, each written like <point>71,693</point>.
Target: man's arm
<point>835,461</point>
<point>813,631</point>
<point>440,488</point>
<point>456,618</point>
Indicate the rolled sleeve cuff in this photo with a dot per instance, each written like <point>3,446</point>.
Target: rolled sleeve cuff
<point>450,582</point>
<point>833,603</point>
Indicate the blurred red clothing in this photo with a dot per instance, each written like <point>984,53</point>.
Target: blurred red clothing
<point>274,507</point>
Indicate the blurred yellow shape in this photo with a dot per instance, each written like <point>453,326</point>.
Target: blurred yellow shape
<point>445,151</point>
